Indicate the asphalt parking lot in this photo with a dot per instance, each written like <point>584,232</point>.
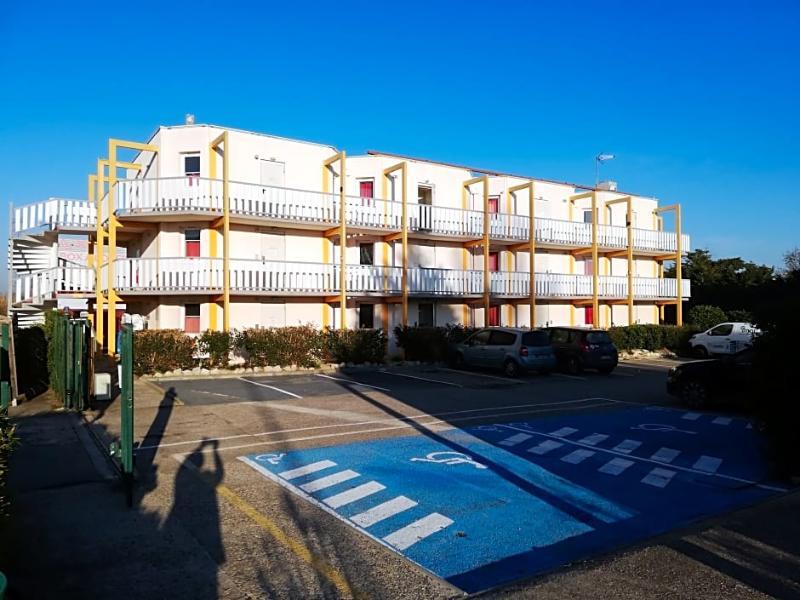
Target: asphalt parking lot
<point>429,482</point>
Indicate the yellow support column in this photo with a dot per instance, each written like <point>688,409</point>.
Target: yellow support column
<point>403,168</point>
<point>595,265</point>
<point>96,196</point>
<point>113,224</point>
<point>341,157</point>
<point>679,265</point>
<point>530,186</point>
<point>628,200</point>
<point>213,147</point>
<point>485,242</point>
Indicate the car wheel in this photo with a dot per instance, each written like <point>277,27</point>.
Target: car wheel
<point>574,365</point>
<point>700,352</point>
<point>511,368</point>
<point>694,394</point>
<point>606,370</point>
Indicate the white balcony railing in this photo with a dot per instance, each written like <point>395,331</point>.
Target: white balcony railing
<point>55,213</point>
<point>39,286</point>
<point>204,275</point>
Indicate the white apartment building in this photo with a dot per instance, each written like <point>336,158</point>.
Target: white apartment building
<point>216,228</point>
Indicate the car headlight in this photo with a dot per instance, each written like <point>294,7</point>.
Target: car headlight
<point>672,374</point>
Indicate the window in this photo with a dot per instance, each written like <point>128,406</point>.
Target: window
<point>191,321</point>
<point>425,315</point>
<point>425,195</point>
<point>587,216</point>
<point>494,262</point>
<point>366,188</point>
<point>192,242</point>
<point>588,315</point>
<point>535,339</point>
<point>598,337</point>
<point>559,336</point>
<point>191,164</point>
<point>724,329</point>
<point>366,316</point>
<point>480,339</point>
<point>502,338</point>
<point>366,254</point>
<point>494,205</point>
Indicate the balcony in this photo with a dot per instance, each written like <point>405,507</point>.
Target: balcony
<point>70,216</point>
<point>175,198</point>
<point>164,276</point>
<point>37,287</point>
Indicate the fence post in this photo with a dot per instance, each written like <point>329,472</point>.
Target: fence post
<point>126,397</point>
<point>5,368</point>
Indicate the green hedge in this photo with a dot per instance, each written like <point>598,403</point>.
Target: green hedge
<point>430,344</point>
<point>7,442</point>
<point>355,345</point>
<point>705,316</point>
<point>159,350</point>
<point>217,345</point>
<point>280,346</point>
<point>653,337</point>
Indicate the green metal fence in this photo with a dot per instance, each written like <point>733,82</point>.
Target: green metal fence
<point>123,450</point>
<point>5,367</point>
<point>69,360</point>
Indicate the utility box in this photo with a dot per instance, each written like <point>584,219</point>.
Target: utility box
<point>102,386</point>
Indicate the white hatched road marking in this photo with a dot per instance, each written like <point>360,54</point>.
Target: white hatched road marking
<point>418,530</point>
<point>328,481</point>
<point>691,416</point>
<point>615,466</point>
<point>545,447</point>
<point>627,446</point>
<point>710,464</point>
<point>383,511</point>
<point>665,455</point>
<point>357,493</point>
<point>658,477</point>
<point>272,387</point>
<point>307,469</point>
<point>564,431</point>
<point>722,421</point>
<point>595,438</point>
<point>353,382</point>
<point>515,439</point>
<point>577,456</point>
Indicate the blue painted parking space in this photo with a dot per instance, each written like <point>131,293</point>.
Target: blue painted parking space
<point>487,505</point>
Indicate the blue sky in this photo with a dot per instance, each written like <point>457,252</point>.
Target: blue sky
<point>698,100</point>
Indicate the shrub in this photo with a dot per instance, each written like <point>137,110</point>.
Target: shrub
<point>705,316</point>
<point>218,346</point>
<point>355,345</point>
<point>160,350</point>
<point>653,337</point>
<point>260,347</point>
<point>430,344</point>
<point>740,316</point>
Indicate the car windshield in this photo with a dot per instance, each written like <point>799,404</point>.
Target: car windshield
<point>598,337</point>
<point>535,338</point>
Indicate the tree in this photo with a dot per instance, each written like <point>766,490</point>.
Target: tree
<point>791,262</point>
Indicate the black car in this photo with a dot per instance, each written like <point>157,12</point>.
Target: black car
<point>704,382</point>
<point>577,349</point>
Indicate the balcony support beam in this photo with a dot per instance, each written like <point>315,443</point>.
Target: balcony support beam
<point>387,173</point>
<point>678,257</point>
<point>594,251</point>
<point>327,168</point>
<point>628,201</point>
<point>484,179</point>
<point>222,140</point>
<point>530,246</point>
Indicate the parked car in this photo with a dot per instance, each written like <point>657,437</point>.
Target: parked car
<point>510,349</point>
<point>725,338</point>
<point>577,349</point>
<point>703,382</point>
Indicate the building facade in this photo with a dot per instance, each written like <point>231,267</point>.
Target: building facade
<point>212,228</point>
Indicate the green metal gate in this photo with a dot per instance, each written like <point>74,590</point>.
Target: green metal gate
<point>70,361</point>
<point>123,450</point>
<point>5,367</point>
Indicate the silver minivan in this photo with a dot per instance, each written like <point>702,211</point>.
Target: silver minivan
<point>511,349</point>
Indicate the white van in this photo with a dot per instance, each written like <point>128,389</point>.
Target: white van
<point>725,338</point>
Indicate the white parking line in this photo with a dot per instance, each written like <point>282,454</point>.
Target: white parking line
<point>356,493</point>
<point>329,481</point>
<point>569,376</point>
<point>353,382</point>
<point>659,477</point>
<point>383,511</point>
<point>272,387</point>
<point>307,469</point>
<point>476,374</point>
<point>446,422</point>
<point>423,378</point>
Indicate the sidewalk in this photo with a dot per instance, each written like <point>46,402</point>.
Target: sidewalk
<point>71,535</point>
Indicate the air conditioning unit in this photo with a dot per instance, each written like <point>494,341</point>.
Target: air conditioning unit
<point>609,186</point>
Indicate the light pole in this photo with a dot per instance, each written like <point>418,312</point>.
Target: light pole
<point>600,158</point>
